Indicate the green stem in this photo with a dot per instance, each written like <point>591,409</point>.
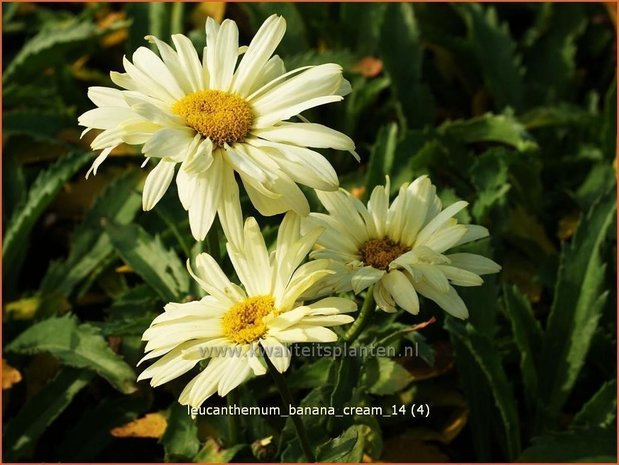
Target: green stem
<point>367,310</point>
<point>233,422</point>
<point>282,387</point>
<point>176,20</point>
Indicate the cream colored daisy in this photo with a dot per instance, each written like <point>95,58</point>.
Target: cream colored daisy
<point>221,114</point>
<point>399,248</point>
<point>235,327</point>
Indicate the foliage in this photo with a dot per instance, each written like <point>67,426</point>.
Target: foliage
<point>511,107</point>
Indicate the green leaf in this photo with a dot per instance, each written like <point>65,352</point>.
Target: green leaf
<point>40,195</point>
<point>528,337</point>
<point>578,445</point>
<point>180,440</point>
<point>54,44</point>
<point>90,435</point>
<point>503,129</point>
<point>402,55</point>
<point>381,158</point>
<point>212,452</point>
<point>496,53</point>
<point>36,124</point>
<point>550,59</point>
<point>90,245</point>
<point>23,431</point>
<point>577,306</point>
<point>147,256</point>
<point>348,447</point>
<point>360,26</point>
<point>490,175</point>
<point>79,346</point>
<point>601,409</point>
<point>310,375</point>
<point>382,376</point>
<point>490,372</point>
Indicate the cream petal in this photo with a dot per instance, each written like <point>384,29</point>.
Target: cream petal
<point>205,384</point>
<point>222,54</point>
<point>149,63</point>
<point>402,291</point>
<point>383,299</point>
<point>330,305</point>
<point>273,69</point>
<point>339,205</point>
<point>473,233</point>
<point>377,208</point>
<point>168,367</point>
<point>306,135</point>
<point>147,84</point>
<point>212,279</point>
<point>157,183</point>
<point>230,214</point>
<point>106,97</point>
<point>199,159</point>
<point>105,117</point>
<point>189,61</point>
<point>258,53</point>
<point>168,143</point>
<point>205,202</point>
<point>474,263</point>
<point>303,165</point>
<point>237,371</point>
<point>438,221</point>
<point>316,82</point>
<point>365,277</point>
<point>278,353</point>
<point>172,62</point>
<point>446,237</point>
<point>268,119</point>
<point>448,301</point>
<point>460,277</point>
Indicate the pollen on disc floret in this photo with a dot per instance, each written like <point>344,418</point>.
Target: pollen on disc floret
<point>379,253</point>
<point>243,323</point>
<point>223,117</point>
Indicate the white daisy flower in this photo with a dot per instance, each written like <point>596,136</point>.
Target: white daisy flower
<point>400,248</point>
<point>223,113</point>
<point>235,327</point>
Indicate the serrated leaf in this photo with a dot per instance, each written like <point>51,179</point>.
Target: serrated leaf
<point>42,192</point>
<point>180,440</point>
<point>52,45</point>
<point>384,376</point>
<point>402,54</point>
<point>601,409</point>
<point>118,203</point>
<point>490,369</point>
<point>79,346</point>
<point>528,337</point>
<point>23,431</point>
<point>212,452</point>
<point>36,123</point>
<point>578,445</point>
<point>577,306</point>
<point>502,128</point>
<point>147,256</point>
<point>381,158</point>
<point>348,447</point>
<point>496,53</point>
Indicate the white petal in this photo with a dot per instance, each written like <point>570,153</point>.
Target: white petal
<point>188,58</point>
<point>205,202</point>
<point>106,97</point>
<point>449,301</point>
<point>365,277</point>
<point>306,135</point>
<point>273,69</point>
<point>222,52</point>
<point>303,165</point>
<point>237,371</point>
<point>473,233</point>
<point>460,277</point>
<point>157,183</point>
<point>278,353</point>
<point>402,291</point>
<point>212,279</point>
<point>149,63</point>
<point>474,263</point>
<point>438,221</point>
<point>258,53</point>
<point>105,117</point>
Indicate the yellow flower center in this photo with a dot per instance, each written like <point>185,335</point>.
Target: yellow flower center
<point>222,117</point>
<point>243,322</point>
<point>379,253</point>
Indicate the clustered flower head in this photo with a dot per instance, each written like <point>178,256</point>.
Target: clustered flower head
<point>227,115</point>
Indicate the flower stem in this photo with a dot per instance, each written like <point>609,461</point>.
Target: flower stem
<point>176,20</point>
<point>282,387</point>
<point>233,422</point>
<point>363,319</point>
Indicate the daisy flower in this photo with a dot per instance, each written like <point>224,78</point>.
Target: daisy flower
<point>235,327</point>
<point>224,113</point>
<point>399,248</point>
